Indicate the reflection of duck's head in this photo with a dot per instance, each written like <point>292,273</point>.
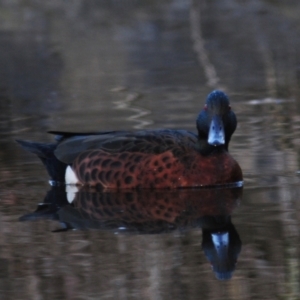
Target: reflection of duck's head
<point>216,122</point>
<point>222,247</point>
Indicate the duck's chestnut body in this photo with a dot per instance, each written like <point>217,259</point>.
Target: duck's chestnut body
<point>148,159</point>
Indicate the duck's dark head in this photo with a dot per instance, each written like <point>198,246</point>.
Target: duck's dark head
<point>215,123</point>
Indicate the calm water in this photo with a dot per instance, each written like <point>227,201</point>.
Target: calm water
<point>104,65</point>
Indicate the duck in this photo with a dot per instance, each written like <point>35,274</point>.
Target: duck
<point>147,159</point>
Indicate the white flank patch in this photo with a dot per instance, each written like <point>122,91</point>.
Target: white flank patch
<point>70,176</point>
<point>71,191</point>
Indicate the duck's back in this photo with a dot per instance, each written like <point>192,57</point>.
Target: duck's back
<point>70,145</point>
<point>142,159</point>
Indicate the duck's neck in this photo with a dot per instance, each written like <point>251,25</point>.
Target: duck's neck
<point>204,148</point>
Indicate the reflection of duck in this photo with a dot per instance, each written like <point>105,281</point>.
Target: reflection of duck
<point>148,159</point>
<point>154,211</point>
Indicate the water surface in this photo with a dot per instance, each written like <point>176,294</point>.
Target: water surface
<point>98,65</point>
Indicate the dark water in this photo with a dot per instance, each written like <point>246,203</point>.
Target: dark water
<point>103,65</point>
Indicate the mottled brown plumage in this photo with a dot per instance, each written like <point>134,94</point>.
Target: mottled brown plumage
<point>165,170</point>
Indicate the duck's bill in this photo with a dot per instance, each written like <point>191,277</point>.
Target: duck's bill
<point>216,134</point>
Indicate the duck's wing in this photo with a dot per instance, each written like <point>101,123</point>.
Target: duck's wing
<point>70,145</point>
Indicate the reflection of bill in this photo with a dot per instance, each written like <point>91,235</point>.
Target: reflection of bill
<point>153,211</point>
<point>222,247</point>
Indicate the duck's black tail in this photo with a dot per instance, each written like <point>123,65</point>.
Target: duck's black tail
<point>56,169</point>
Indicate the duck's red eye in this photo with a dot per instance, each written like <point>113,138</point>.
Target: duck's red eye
<point>205,107</point>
